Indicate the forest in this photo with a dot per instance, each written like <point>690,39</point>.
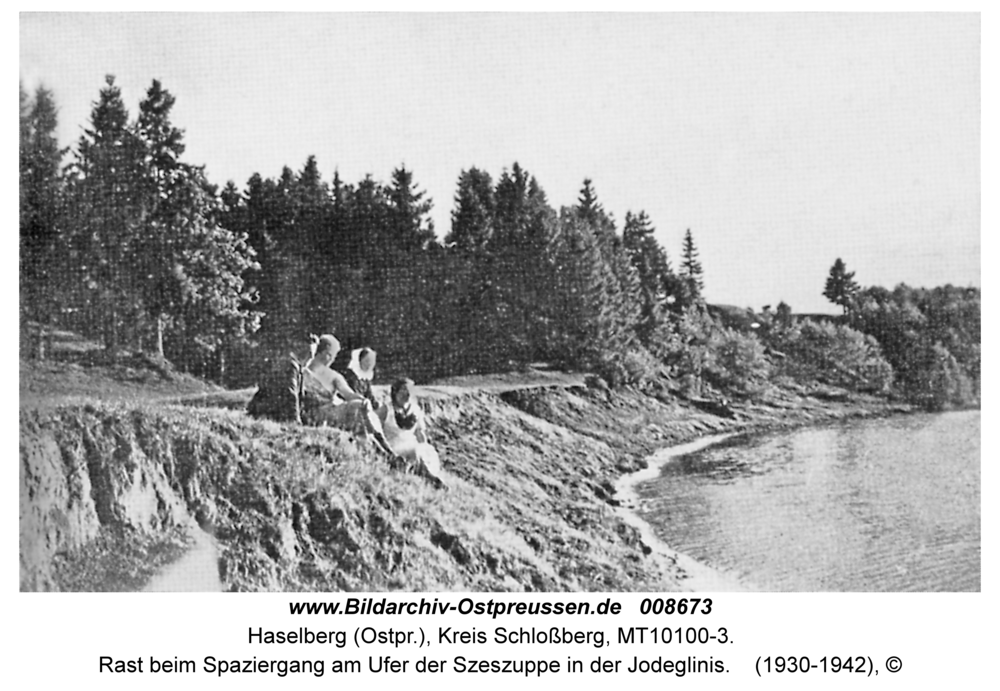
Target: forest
<point>128,243</point>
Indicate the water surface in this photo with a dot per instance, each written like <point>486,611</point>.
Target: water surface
<point>883,505</point>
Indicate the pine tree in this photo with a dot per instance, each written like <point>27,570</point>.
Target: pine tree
<point>587,206</point>
<point>410,228</point>
<point>691,272</point>
<point>161,242</point>
<point>367,217</point>
<point>509,231</point>
<point>190,267</point>
<point>41,193</point>
<point>624,293</point>
<point>598,303</point>
<point>107,210</point>
<point>597,315</point>
<point>840,286</point>
<point>510,196</point>
<point>657,280</point>
<point>589,210</point>
<point>330,248</point>
<point>311,208</point>
<point>473,216</point>
<point>147,233</point>
<point>163,142</point>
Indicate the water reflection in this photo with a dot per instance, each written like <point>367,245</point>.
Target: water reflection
<point>879,505</point>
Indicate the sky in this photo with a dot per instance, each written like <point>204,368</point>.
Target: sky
<point>783,141</point>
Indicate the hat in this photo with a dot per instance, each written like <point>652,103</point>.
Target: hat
<point>355,364</point>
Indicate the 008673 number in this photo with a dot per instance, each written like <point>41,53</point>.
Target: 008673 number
<point>682,605</point>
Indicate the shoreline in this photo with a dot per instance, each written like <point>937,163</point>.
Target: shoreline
<point>700,577</point>
<point>544,498</point>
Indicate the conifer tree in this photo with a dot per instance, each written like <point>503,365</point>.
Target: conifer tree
<point>624,292</point>
<point>840,286</point>
<point>108,208</point>
<point>147,236</point>
<point>188,268</point>
<point>473,216</point>
<point>410,227</point>
<point>24,146</point>
<point>311,208</point>
<point>41,193</point>
<point>159,244</point>
<point>511,215</point>
<point>588,208</point>
<point>691,272</point>
<point>658,283</point>
<point>596,320</point>
<point>367,217</point>
<point>163,142</point>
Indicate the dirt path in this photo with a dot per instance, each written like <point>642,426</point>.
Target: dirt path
<point>196,572</point>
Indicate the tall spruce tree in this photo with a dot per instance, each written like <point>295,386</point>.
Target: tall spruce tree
<point>596,317</point>
<point>840,288</point>
<point>625,292</point>
<point>24,151</point>
<point>107,212</point>
<point>598,292</point>
<point>147,236</point>
<point>659,284</point>
<point>188,269</point>
<point>587,205</point>
<point>41,193</point>
<point>410,226</point>
<point>312,207</point>
<point>157,259</point>
<point>473,216</point>
<point>691,272</point>
<point>512,211</point>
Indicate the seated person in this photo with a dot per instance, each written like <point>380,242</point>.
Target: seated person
<point>406,431</point>
<point>326,398</point>
<point>360,371</point>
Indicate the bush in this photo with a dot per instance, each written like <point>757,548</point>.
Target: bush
<point>833,354</point>
<point>938,381</point>
<point>699,351</point>
<point>738,363</point>
<point>641,369</point>
<point>685,348</point>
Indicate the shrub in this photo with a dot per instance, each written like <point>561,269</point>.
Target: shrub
<point>833,354</point>
<point>641,369</point>
<point>937,381</point>
<point>738,363</point>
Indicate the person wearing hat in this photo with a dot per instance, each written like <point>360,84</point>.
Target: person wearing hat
<point>327,399</point>
<point>360,372</point>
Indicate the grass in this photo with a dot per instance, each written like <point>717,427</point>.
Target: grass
<point>118,560</point>
<point>531,459</point>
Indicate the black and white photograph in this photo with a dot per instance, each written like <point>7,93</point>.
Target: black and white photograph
<point>500,302</point>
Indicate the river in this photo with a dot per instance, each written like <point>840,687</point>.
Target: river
<point>878,505</point>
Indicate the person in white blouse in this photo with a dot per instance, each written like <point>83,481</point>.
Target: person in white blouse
<point>327,399</point>
<point>406,431</point>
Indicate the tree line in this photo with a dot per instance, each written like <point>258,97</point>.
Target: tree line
<point>930,337</point>
<point>126,242</point>
<point>131,245</point>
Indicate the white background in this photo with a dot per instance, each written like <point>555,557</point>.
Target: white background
<point>57,639</point>
<point>939,638</point>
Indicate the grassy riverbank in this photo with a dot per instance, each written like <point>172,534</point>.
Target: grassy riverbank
<point>531,461</point>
